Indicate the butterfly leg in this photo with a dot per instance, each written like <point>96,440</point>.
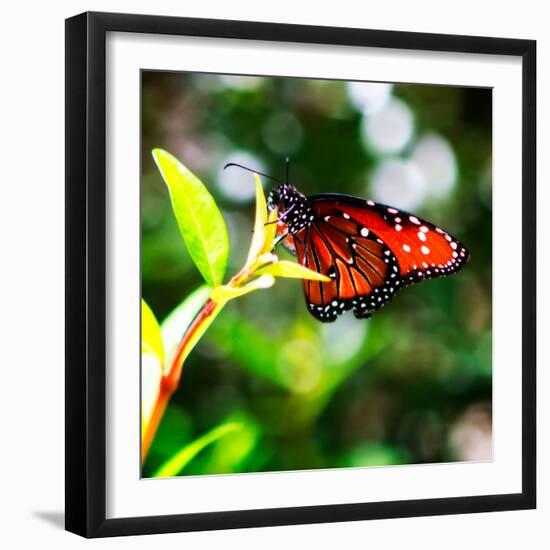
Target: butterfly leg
<point>279,240</point>
<point>283,216</point>
<point>366,314</point>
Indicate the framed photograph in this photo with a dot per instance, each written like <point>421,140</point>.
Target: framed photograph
<point>300,274</point>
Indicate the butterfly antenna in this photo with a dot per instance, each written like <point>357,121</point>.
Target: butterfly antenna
<point>251,170</point>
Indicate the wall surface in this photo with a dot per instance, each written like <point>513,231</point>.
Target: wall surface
<point>32,274</point>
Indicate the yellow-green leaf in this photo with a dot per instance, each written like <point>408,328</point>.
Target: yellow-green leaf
<point>222,294</point>
<point>258,237</point>
<point>151,339</point>
<point>199,219</point>
<point>173,466</point>
<point>151,379</point>
<point>230,454</point>
<point>270,231</point>
<point>291,270</point>
<point>176,323</point>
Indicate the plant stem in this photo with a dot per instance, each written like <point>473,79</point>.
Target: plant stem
<point>171,378</point>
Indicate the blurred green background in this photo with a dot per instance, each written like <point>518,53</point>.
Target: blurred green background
<point>411,385</point>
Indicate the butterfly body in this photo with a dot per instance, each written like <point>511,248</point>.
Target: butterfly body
<point>295,207</point>
<point>368,250</point>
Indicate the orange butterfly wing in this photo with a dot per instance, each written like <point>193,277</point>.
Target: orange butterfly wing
<point>422,249</point>
<point>369,251</point>
<point>364,272</point>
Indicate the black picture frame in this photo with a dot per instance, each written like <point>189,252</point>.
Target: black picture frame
<point>86,268</point>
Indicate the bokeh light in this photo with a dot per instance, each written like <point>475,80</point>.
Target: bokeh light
<point>471,436</point>
<point>399,183</point>
<point>434,156</point>
<point>344,339</point>
<point>390,129</point>
<point>369,97</point>
<point>282,132</point>
<point>241,82</point>
<point>300,365</point>
<point>234,182</point>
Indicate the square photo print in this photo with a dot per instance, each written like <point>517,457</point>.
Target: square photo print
<point>316,274</point>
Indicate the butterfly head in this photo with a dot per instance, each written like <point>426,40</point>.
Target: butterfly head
<point>294,207</point>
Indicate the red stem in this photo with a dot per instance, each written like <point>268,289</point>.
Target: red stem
<point>171,379</point>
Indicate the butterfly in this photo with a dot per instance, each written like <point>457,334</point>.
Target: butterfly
<point>368,250</point>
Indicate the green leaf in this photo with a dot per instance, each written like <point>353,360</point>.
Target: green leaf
<point>291,270</point>
<point>151,339</point>
<point>175,465</point>
<point>199,219</point>
<point>175,430</point>
<point>263,234</point>
<point>175,324</point>
<point>222,294</point>
<point>151,380</point>
<point>233,452</point>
